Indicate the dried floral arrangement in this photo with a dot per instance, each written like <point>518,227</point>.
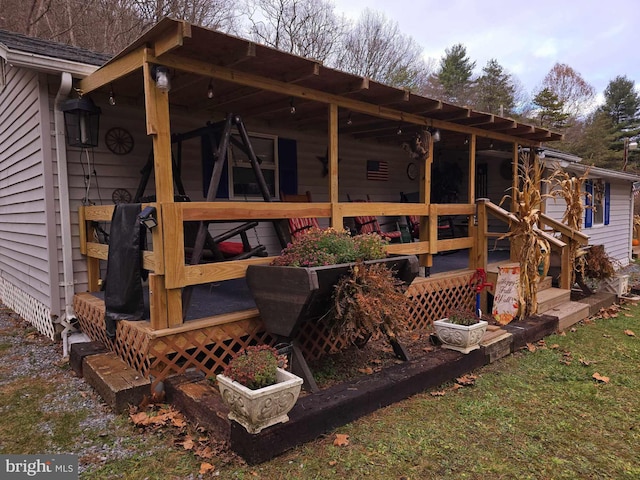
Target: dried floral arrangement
<point>530,248</point>
<point>597,263</point>
<point>369,301</point>
<point>462,316</point>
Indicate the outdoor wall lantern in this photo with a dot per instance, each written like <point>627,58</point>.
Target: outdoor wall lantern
<point>82,121</point>
<point>160,74</point>
<point>147,217</point>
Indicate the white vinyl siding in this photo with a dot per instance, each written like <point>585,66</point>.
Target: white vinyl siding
<point>24,260</point>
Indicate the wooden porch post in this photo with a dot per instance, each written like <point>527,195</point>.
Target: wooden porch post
<point>472,230</point>
<point>165,305</point>
<point>337,220</point>
<point>426,231</point>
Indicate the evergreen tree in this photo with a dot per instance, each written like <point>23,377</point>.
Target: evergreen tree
<point>550,109</point>
<point>455,74</point>
<point>621,101</point>
<point>495,90</point>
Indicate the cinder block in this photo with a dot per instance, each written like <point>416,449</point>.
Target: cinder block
<point>79,351</point>
<point>117,383</point>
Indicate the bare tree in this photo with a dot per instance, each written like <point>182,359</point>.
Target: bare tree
<point>216,14</point>
<point>376,48</point>
<point>572,90</point>
<point>308,28</point>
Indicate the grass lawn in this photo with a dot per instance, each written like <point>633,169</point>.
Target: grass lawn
<point>537,414</point>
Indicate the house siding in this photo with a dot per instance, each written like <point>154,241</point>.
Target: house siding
<point>25,274</point>
<point>616,236</point>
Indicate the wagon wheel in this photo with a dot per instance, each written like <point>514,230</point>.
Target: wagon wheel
<point>119,141</point>
<point>120,195</point>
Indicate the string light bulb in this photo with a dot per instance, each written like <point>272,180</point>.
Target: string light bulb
<point>292,108</point>
<point>349,121</point>
<point>112,97</point>
<point>210,89</point>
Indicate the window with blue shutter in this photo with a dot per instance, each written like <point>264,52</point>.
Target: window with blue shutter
<point>607,202</point>
<point>588,198</point>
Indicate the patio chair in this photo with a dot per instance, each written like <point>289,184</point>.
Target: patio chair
<point>446,228</point>
<point>370,224</point>
<point>299,226</point>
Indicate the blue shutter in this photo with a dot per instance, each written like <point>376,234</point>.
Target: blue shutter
<point>288,165</point>
<point>607,202</point>
<point>588,201</point>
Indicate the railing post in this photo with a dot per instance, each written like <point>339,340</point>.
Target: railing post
<point>479,251</point>
<point>565,264</point>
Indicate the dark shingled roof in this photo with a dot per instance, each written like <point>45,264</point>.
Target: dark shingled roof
<point>48,48</point>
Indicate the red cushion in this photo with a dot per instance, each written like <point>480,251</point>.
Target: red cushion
<point>230,249</point>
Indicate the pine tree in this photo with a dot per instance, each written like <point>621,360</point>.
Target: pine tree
<point>495,89</point>
<point>455,74</point>
<point>550,109</point>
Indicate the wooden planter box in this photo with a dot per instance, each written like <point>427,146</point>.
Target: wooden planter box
<point>288,296</point>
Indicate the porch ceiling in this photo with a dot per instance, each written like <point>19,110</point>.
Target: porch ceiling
<point>198,56</point>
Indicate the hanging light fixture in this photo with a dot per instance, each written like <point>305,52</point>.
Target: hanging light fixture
<point>82,121</point>
<point>436,135</point>
<point>349,121</point>
<point>399,130</point>
<point>112,96</point>
<point>160,74</point>
<point>210,89</point>
<point>292,107</point>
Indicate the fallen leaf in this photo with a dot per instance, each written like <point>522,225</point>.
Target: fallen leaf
<point>428,349</point>
<point>606,336</point>
<point>531,347</point>
<point>629,333</point>
<point>333,463</point>
<point>573,329</point>
<point>563,334</point>
<point>566,354</point>
<point>554,346</point>
<point>341,440</point>
<point>600,378</point>
<point>376,361</point>
<point>205,468</point>
<point>188,443</point>
<point>139,418</point>
<point>440,393</point>
<point>566,362</point>
<point>456,386</point>
<point>367,370</point>
<point>467,380</point>
<point>178,422</point>
<point>205,452</point>
<point>584,362</point>
<point>629,315</point>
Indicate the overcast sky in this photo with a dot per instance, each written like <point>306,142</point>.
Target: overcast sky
<point>600,40</point>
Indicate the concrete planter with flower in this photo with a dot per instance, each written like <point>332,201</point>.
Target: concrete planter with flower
<point>462,330</point>
<point>258,392</point>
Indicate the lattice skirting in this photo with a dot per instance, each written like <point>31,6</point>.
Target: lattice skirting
<point>209,348</point>
<point>32,310</point>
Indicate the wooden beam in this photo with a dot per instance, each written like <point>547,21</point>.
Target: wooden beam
<point>336,215</point>
<point>113,71</point>
<point>248,54</point>
<point>300,76</point>
<point>203,68</point>
<point>170,40</point>
<point>157,302</point>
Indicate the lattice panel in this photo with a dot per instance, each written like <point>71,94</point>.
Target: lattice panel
<point>207,349</point>
<point>434,296</point>
<point>32,310</point>
<point>131,343</point>
<point>315,339</point>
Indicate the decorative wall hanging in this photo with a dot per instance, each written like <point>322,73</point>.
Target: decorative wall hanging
<point>120,195</point>
<point>412,171</point>
<point>119,141</point>
<point>377,170</point>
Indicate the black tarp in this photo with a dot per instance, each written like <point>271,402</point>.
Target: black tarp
<point>123,297</point>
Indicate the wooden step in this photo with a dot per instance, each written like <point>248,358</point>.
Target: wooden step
<point>117,383</point>
<point>545,283</point>
<point>569,313</point>
<point>551,297</point>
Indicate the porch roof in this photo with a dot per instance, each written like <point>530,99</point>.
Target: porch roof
<point>261,82</point>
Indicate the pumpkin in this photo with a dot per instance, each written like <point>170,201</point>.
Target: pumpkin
<point>635,242</point>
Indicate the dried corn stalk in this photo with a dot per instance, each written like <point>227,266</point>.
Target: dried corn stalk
<point>530,248</point>
<point>571,189</point>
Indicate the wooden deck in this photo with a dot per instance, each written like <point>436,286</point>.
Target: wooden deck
<point>207,344</point>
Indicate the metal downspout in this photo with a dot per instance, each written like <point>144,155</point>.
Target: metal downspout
<point>65,213</point>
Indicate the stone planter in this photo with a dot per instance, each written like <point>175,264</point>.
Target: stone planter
<point>258,409</point>
<point>288,296</point>
<point>461,338</point>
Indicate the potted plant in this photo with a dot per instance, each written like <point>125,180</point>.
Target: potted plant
<point>257,389</point>
<point>298,285</point>
<point>598,266</point>
<point>462,330</point>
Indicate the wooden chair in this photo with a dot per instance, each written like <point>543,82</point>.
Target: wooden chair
<point>446,228</point>
<point>370,224</point>
<point>299,226</point>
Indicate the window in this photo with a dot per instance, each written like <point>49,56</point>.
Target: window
<point>598,203</point>
<point>3,73</point>
<point>243,183</point>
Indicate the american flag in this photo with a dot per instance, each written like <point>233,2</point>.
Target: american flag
<point>377,170</point>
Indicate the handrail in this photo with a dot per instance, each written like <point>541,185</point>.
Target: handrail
<point>568,232</point>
